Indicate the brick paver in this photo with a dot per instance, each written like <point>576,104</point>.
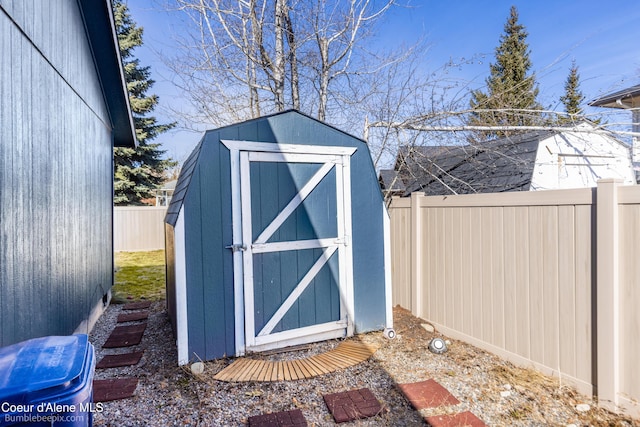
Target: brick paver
<point>118,360</point>
<point>279,419</point>
<point>133,316</point>
<point>464,419</point>
<point>137,305</point>
<point>115,389</point>
<point>352,405</point>
<point>427,394</point>
<point>125,336</point>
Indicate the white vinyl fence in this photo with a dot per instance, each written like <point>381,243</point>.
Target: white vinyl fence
<point>547,279</point>
<point>138,228</point>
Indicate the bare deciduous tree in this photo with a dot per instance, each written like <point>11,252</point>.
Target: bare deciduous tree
<point>241,59</point>
<point>244,58</point>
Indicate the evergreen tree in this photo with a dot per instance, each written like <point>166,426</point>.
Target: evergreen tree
<point>137,171</point>
<point>572,97</point>
<point>511,93</point>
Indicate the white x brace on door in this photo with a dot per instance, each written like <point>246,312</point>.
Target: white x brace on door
<point>256,248</point>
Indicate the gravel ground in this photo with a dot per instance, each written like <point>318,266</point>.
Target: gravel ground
<point>494,390</point>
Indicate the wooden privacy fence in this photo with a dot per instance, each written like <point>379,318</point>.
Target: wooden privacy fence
<point>138,228</point>
<point>547,279</point>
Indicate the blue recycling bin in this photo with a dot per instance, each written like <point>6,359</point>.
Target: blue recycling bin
<point>47,382</point>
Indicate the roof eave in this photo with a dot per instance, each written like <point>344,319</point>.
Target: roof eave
<point>617,99</point>
<point>100,25</point>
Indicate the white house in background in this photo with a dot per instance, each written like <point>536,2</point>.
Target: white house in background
<point>165,193</point>
<point>579,159</point>
<point>573,158</point>
<point>626,99</point>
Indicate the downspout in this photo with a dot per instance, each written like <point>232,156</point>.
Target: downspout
<point>635,144</point>
<point>389,332</point>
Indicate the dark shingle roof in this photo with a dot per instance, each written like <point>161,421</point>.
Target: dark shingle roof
<point>390,180</point>
<point>491,167</point>
<point>182,185</point>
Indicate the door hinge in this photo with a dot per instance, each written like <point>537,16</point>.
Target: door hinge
<point>346,241</point>
<point>237,247</point>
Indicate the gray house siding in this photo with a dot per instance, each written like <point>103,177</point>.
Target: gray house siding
<point>56,173</point>
<point>65,53</point>
<point>204,192</point>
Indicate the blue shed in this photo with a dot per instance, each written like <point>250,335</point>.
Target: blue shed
<point>277,235</point>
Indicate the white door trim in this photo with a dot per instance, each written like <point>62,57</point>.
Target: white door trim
<point>314,333</point>
<point>182,319</point>
<point>247,254</point>
<point>238,287</point>
<point>259,156</point>
<point>241,154</point>
<point>343,180</point>
<point>295,245</point>
<point>269,147</point>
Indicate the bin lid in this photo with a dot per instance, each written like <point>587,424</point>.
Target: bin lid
<point>40,364</point>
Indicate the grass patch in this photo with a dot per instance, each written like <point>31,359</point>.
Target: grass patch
<point>139,275</point>
<point>521,412</point>
<point>526,378</point>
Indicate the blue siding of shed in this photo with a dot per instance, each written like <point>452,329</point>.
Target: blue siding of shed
<point>207,212</point>
<point>55,173</point>
<point>208,229</point>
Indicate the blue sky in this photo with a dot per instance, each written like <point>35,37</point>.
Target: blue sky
<point>602,37</point>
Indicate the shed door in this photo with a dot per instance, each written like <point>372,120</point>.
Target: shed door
<point>296,257</point>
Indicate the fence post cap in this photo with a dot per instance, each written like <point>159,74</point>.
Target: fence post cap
<point>610,181</point>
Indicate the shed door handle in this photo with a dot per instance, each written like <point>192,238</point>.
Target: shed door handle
<point>237,247</point>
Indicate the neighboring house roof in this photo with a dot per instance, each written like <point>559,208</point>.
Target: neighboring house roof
<point>626,98</point>
<point>540,160</point>
<point>491,167</point>
<point>407,154</point>
<point>390,181</point>
<point>169,185</point>
<point>100,26</point>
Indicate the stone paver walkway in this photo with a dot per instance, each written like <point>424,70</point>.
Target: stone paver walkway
<point>105,390</point>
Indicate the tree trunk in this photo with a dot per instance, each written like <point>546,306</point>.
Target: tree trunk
<point>325,69</point>
<point>293,59</point>
<point>248,39</point>
<point>278,70</point>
